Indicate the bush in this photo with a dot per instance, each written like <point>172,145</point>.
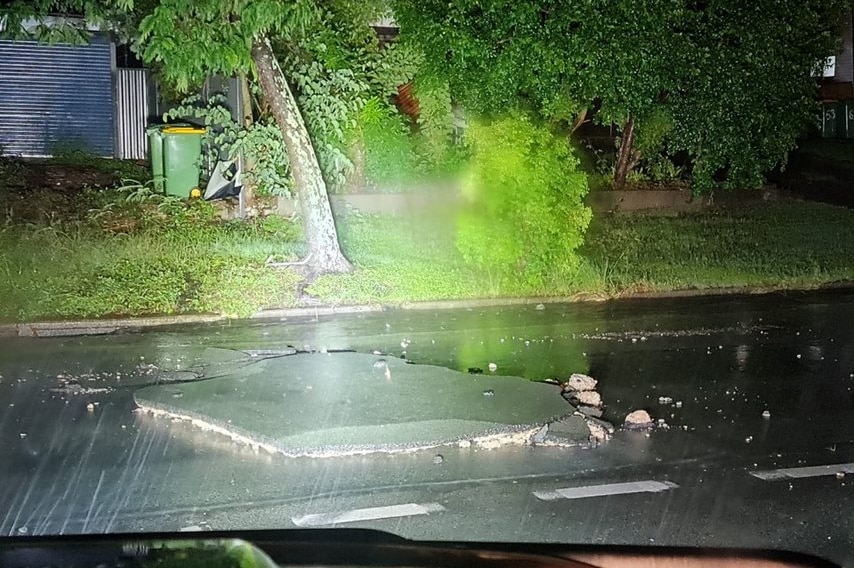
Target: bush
<point>525,217</point>
<point>394,156</point>
<point>389,151</point>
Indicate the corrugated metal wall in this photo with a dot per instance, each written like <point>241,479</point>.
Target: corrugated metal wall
<point>55,95</point>
<point>131,113</point>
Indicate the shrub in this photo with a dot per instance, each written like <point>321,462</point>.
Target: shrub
<point>389,152</point>
<point>525,217</point>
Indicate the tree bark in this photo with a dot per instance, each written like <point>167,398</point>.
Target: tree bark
<point>627,157</point>
<point>580,119</point>
<point>247,120</point>
<point>324,252</point>
<point>357,179</point>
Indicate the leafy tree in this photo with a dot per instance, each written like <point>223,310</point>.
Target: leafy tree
<point>555,57</point>
<point>329,64</point>
<point>344,82</point>
<point>193,39</point>
<point>385,144</point>
<point>66,21</point>
<point>190,40</point>
<point>727,81</point>
<point>525,216</point>
<point>750,88</point>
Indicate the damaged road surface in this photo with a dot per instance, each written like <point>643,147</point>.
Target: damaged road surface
<point>733,425</point>
<point>332,404</point>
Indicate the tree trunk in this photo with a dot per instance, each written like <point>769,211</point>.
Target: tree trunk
<point>324,253</point>
<point>247,120</point>
<point>627,157</point>
<point>357,179</point>
<point>580,119</point>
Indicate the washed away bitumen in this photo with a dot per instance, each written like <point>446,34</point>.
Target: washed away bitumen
<point>348,403</point>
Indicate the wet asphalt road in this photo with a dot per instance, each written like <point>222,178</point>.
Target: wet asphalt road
<point>65,469</point>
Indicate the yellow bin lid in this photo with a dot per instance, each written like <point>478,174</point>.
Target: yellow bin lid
<point>183,130</point>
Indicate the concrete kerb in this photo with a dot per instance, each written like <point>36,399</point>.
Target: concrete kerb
<point>100,327</point>
<point>107,326</point>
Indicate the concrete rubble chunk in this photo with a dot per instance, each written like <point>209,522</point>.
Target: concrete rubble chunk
<point>540,436</point>
<point>324,405</point>
<point>600,430</point>
<point>638,420</point>
<point>598,434</point>
<point>580,383</point>
<point>586,398</point>
<point>589,411</point>
<point>602,423</point>
<point>571,428</point>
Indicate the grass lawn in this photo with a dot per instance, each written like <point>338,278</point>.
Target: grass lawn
<point>786,244</point>
<point>100,252</point>
<point>69,248</point>
<point>97,252</point>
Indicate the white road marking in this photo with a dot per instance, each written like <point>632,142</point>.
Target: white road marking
<point>369,514</point>
<point>606,489</point>
<point>800,472</point>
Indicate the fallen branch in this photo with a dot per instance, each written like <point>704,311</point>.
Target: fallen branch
<point>273,264</point>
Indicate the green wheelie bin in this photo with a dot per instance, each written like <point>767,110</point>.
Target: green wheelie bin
<point>175,152</point>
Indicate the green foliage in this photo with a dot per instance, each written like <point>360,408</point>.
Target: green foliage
<point>412,258</point>
<point>388,145</point>
<point>751,89</point>
<point>134,251</point>
<point>554,59</point>
<point>12,171</point>
<point>396,64</point>
<point>120,169</point>
<point>653,130</point>
<point>399,260</point>
<point>192,40</point>
<point>330,94</point>
<point>260,144</point>
<point>343,82</point>
<point>336,68</point>
<point>44,26</point>
<point>734,78</point>
<point>96,263</point>
<point>659,168</point>
<point>652,133</point>
<point>435,121</point>
<point>525,217</point>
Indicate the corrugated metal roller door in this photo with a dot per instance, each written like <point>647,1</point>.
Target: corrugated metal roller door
<point>131,113</point>
<point>55,96</point>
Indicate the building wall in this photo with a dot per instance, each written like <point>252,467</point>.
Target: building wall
<point>56,96</point>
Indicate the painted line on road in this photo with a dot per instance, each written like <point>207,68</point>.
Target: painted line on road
<point>802,472</point>
<point>369,514</point>
<point>606,489</point>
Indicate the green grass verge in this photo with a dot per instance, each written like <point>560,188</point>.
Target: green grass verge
<point>787,244</point>
<point>156,256</point>
<point>415,259</point>
<point>107,256</point>
<point>769,245</point>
